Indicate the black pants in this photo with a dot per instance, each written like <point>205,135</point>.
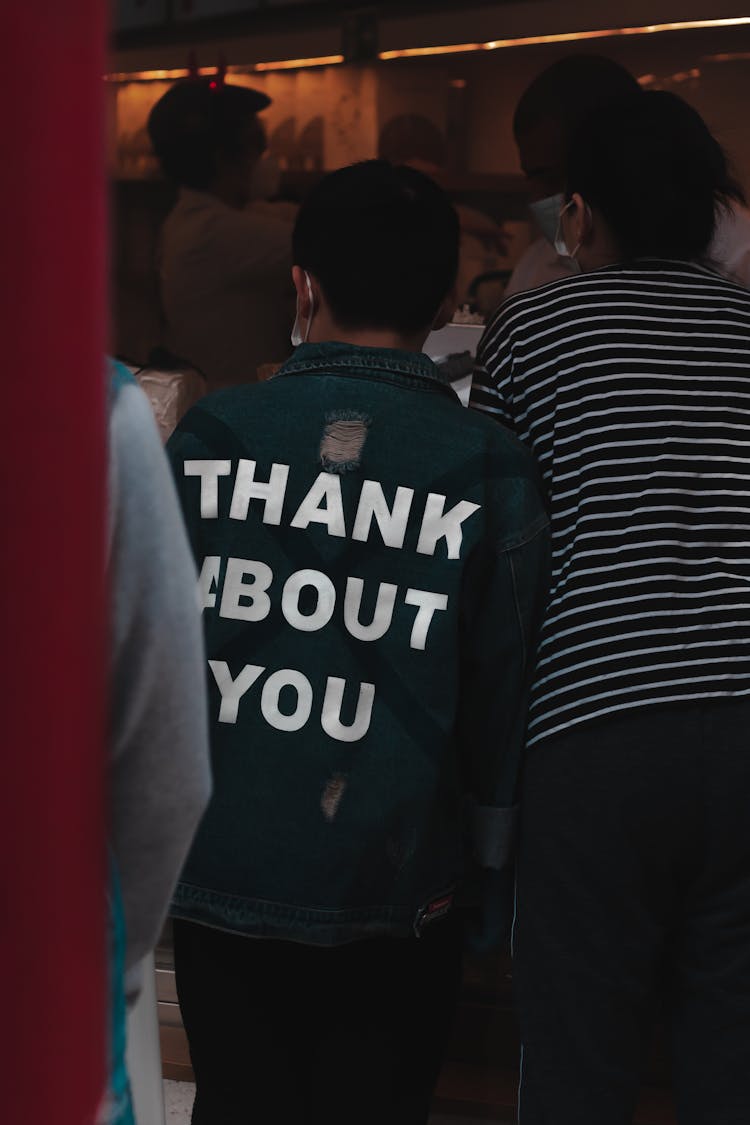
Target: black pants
<point>633,890</point>
<point>285,1033</point>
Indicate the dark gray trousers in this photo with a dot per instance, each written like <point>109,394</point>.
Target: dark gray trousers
<point>633,897</point>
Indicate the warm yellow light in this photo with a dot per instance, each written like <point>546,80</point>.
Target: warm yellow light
<point>157,75</point>
<point>147,75</point>
<point>565,37</point>
<point>251,68</point>
<point>734,56</point>
<point>685,75</point>
<point>298,64</point>
<point>446,49</point>
<point>415,52</point>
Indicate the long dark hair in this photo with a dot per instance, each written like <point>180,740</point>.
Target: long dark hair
<point>649,164</point>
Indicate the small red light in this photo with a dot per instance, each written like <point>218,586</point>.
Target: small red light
<point>213,85</point>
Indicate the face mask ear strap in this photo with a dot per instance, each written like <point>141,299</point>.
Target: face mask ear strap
<point>586,214</point>
<point>559,237</point>
<point>311,314</point>
<point>560,246</point>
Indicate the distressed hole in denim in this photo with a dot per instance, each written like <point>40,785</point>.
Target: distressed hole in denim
<point>332,794</point>
<point>343,440</point>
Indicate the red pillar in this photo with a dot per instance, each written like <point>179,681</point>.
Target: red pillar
<point>52,603</point>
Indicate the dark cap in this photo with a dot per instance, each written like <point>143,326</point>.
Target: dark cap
<point>198,119</point>
<point>195,108</point>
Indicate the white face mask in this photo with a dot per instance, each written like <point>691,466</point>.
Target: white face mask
<point>297,337</point>
<point>561,246</point>
<point>546,212</point>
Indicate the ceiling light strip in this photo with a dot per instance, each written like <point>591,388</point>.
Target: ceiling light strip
<point>249,68</point>
<point>447,49</point>
<point>566,37</point>
<point>292,64</point>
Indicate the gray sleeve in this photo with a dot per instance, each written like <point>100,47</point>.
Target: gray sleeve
<point>160,773</point>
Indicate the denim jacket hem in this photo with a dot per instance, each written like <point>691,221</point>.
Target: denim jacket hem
<point>309,925</point>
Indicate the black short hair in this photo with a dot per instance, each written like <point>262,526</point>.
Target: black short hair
<point>382,240</point>
<point>652,168</point>
<point>567,90</point>
<point>197,120</point>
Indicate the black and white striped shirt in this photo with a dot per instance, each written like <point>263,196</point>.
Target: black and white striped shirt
<point>632,386</point>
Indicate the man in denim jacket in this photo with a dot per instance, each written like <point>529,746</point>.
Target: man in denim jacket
<point>373,564</point>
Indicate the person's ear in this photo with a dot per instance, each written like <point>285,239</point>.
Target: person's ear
<point>304,289</point>
<point>581,218</point>
<point>446,310</point>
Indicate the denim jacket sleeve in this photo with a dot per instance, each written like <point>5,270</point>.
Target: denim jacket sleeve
<point>506,590</point>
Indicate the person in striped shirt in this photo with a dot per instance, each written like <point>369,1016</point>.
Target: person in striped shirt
<point>630,381</point>
<point>548,112</point>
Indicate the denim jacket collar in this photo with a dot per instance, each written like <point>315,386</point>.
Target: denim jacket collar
<point>412,369</point>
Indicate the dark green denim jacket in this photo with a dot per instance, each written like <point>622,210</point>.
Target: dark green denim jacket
<point>374,564</point>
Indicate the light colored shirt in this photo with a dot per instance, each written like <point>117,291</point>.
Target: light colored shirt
<point>729,253</point>
<point>159,770</point>
<point>226,288</point>
<point>730,249</point>
<point>538,266</point>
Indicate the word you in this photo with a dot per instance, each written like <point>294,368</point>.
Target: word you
<point>232,690</point>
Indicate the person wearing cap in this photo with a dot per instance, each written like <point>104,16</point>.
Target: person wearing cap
<point>549,112</point>
<point>225,272</point>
